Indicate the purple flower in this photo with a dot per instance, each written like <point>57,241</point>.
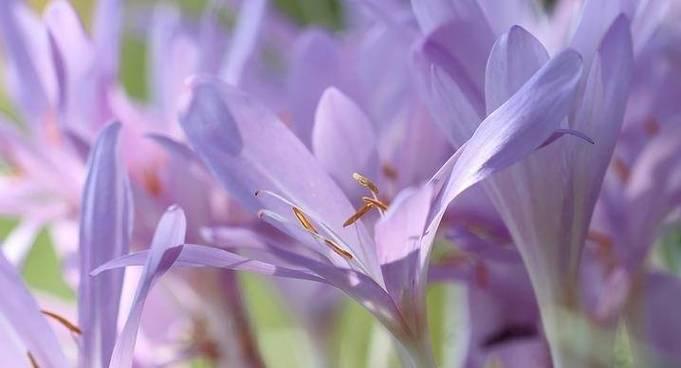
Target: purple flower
<point>547,200</point>
<point>269,170</point>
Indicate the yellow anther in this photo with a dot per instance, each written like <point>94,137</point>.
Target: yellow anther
<point>357,215</point>
<point>65,322</point>
<point>304,221</point>
<point>375,203</point>
<point>365,182</point>
<point>338,250</point>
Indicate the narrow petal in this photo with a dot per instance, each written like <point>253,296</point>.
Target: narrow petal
<point>599,115</point>
<point>173,57</point>
<point>357,285</point>
<point>249,150</point>
<point>105,228</point>
<point>343,140</point>
<point>21,312</point>
<point>107,36</point>
<point>165,249</point>
<point>27,47</point>
<point>243,40</point>
<point>67,30</point>
<point>202,256</point>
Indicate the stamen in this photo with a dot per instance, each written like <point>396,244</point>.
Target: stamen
<point>375,203</point>
<point>357,215</point>
<point>304,221</point>
<point>31,359</point>
<point>365,182</point>
<point>369,203</point>
<point>65,322</point>
<point>340,251</point>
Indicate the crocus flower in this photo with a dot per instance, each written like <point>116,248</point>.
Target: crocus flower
<point>266,167</point>
<point>106,222</point>
<point>546,201</point>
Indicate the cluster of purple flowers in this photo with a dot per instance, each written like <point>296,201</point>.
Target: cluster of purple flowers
<point>531,154</point>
